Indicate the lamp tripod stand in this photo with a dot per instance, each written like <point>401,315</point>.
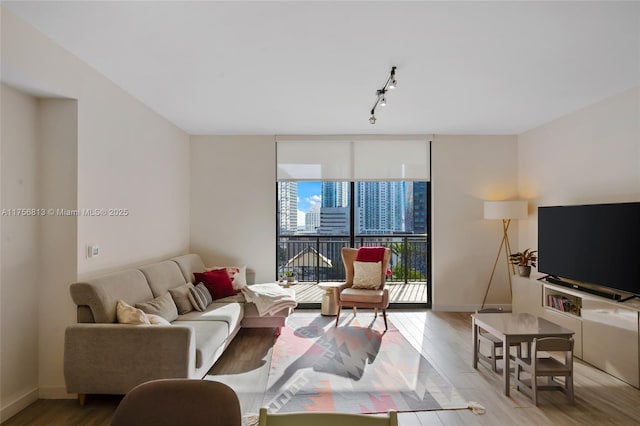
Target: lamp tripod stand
<point>507,251</point>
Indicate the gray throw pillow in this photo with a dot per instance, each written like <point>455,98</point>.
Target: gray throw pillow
<point>180,296</point>
<point>162,305</point>
<point>200,297</point>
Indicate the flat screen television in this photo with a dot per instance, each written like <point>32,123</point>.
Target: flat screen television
<point>596,244</point>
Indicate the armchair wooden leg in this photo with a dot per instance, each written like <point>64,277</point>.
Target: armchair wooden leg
<point>375,312</point>
<point>82,398</point>
<point>338,316</point>
<point>355,311</point>
<point>384,315</point>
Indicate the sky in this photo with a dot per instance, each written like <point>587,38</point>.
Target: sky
<point>309,193</point>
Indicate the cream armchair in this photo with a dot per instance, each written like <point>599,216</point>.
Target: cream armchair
<point>363,298</point>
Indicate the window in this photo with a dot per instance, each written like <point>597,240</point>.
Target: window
<point>337,193</point>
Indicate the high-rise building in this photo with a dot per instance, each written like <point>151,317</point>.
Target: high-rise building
<point>380,207</point>
<point>335,194</point>
<point>288,207</point>
<point>312,219</point>
<point>334,221</point>
<point>419,207</point>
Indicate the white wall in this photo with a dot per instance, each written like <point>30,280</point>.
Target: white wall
<point>20,255</point>
<point>233,210</point>
<point>127,157</point>
<point>233,202</point>
<point>466,170</point>
<point>589,156</point>
<point>57,239</point>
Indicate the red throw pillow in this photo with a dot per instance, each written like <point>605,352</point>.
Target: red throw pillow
<point>370,254</point>
<point>217,282</point>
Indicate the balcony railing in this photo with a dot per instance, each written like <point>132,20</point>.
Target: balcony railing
<point>317,258</point>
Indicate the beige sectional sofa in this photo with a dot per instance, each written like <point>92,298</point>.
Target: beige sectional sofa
<point>102,356</point>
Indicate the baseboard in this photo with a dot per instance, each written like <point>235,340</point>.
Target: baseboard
<point>19,404</point>
<point>55,392</point>
<point>468,308</point>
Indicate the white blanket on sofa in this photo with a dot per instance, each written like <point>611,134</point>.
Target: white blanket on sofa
<point>270,298</point>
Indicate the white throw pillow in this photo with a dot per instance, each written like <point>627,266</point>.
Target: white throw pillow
<point>367,275</point>
<point>157,320</point>
<point>127,314</point>
<point>238,275</point>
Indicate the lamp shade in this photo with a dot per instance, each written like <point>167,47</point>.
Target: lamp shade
<point>505,209</point>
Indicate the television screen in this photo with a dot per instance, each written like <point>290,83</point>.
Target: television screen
<point>597,244</point>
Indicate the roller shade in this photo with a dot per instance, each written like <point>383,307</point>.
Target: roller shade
<point>351,160</point>
<point>313,160</point>
<point>391,160</point>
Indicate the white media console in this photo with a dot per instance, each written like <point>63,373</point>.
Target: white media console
<point>607,333</point>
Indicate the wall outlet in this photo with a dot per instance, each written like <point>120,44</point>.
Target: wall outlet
<point>93,251</point>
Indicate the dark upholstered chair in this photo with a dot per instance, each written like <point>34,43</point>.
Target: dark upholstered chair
<point>170,402</point>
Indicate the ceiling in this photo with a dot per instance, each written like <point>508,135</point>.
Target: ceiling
<point>313,67</point>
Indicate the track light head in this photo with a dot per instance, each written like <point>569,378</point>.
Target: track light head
<point>392,79</point>
<point>381,98</point>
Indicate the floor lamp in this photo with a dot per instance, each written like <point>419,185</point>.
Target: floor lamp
<point>506,211</point>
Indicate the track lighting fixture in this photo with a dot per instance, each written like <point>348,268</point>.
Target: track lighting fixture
<point>381,98</point>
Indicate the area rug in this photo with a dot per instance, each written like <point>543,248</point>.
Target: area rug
<point>354,368</point>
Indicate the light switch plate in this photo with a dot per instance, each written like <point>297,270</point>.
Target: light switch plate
<point>93,251</point>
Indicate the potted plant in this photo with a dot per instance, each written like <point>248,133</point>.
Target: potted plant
<point>291,276</point>
<point>525,260</point>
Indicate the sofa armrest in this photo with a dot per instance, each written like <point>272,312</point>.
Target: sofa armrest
<point>113,358</point>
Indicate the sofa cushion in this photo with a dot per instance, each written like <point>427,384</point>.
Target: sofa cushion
<point>162,306</point>
<point>236,298</point>
<point>360,295</point>
<point>162,276</point>
<point>101,294</point>
<point>217,282</point>
<point>230,313</point>
<point>188,264</point>
<point>180,296</point>
<point>210,335</point>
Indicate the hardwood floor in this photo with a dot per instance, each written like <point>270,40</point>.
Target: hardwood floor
<point>443,338</point>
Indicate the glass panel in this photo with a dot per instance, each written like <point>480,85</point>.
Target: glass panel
<point>384,208</point>
<point>314,221</point>
<point>314,208</point>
